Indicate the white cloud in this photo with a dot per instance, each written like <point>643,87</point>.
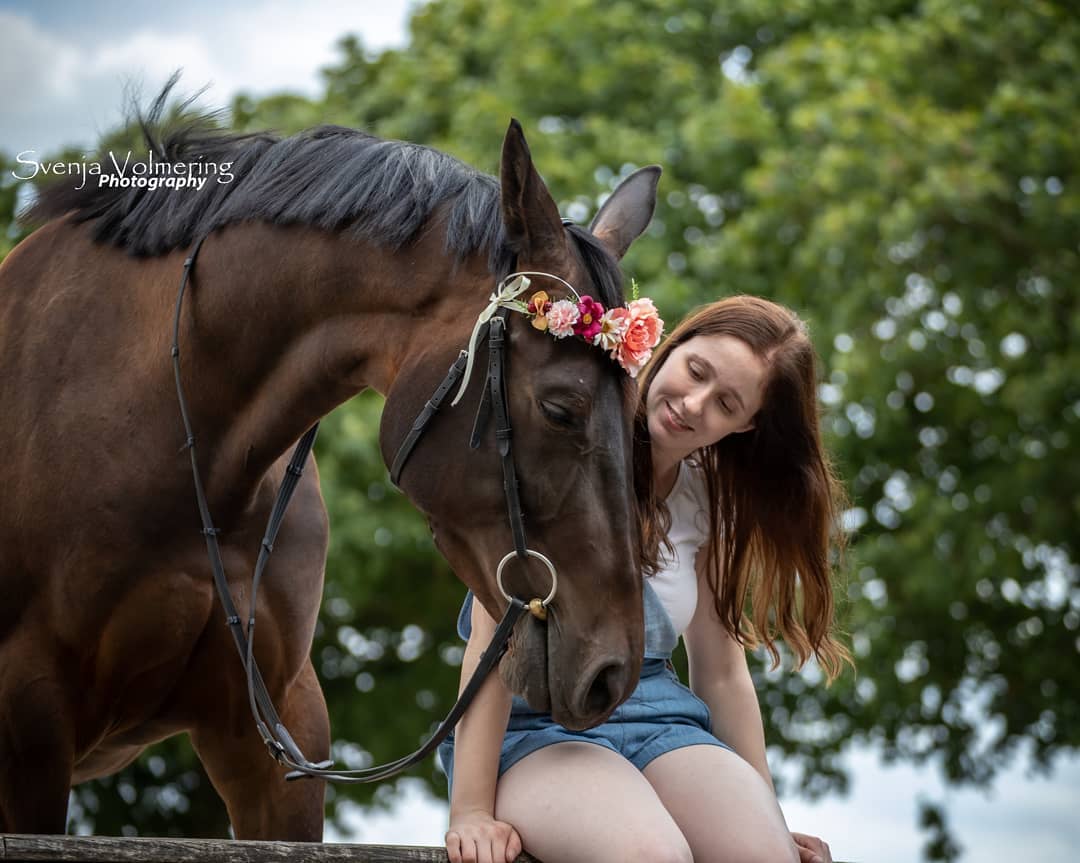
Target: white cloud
<point>1023,818</point>
<point>26,78</point>
<point>49,100</point>
<point>154,54</point>
<point>61,91</point>
<point>415,818</point>
<point>288,47</point>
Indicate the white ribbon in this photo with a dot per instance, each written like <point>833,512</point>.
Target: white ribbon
<point>505,296</point>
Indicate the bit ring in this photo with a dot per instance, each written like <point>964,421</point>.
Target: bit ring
<point>543,559</point>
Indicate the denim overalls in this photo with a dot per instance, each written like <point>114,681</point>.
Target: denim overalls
<point>660,715</point>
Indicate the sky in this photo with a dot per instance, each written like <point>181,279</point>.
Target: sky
<point>64,68</point>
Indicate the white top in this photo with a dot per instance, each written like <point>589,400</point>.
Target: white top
<point>675,583</point>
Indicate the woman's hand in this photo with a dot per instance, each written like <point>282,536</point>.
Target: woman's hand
<point>476,837</point>
<point>811,849</point>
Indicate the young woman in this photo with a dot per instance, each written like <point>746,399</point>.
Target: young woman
<point>740,497</point>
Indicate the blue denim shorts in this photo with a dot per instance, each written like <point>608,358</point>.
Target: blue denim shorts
<point>661,715</point>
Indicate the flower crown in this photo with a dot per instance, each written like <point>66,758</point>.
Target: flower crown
<point>628,333</point>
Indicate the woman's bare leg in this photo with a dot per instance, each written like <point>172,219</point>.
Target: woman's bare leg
<point>582,803</point>
<point>722,806</point>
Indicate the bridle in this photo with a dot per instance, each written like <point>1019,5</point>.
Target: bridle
<point>491,325</point>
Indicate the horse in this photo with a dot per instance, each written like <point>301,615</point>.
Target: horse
<point>333,261</point>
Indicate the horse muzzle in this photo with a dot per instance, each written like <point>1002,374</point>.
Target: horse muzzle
<point>579,683</point>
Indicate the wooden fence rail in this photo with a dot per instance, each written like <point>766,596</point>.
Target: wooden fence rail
<point>26,848</point>
<point>108,849</point>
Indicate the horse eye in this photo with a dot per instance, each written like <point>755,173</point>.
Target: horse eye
<point>557,414</point>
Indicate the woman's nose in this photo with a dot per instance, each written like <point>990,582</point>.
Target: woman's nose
<point>694,401</point>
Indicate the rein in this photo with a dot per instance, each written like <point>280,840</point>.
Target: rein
<point>279,742</point>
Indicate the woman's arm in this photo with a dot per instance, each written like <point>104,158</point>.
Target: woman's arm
<point>721,678</point>
<point>477,745</point>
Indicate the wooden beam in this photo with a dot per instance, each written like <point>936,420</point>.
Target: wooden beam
<point>109,849</point>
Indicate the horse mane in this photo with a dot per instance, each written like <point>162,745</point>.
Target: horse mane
<point>328,177</point>
<point>602,267</point>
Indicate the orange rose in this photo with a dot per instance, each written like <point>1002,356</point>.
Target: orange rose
<point>642,335</point>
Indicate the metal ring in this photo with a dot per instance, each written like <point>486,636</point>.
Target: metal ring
<point>573,290</point>
<point>542,559</point>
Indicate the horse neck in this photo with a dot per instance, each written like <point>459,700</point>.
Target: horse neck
<point>293,322</point>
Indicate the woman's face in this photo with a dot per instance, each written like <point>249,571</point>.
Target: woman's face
<point>709,387</point>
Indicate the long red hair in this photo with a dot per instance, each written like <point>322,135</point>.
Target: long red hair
<point>774,499</point>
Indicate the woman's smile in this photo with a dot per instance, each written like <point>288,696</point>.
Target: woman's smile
<point>709,387</point>
<point>674,421</point>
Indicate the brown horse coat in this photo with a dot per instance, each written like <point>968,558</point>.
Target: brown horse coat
<point>111,636</point>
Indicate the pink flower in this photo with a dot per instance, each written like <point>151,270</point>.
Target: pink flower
<point>562,318</point>
<point>588,324</point>
<point>613,327</point>
<point>642,335</point>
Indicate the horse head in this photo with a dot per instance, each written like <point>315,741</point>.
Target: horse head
<point>570,406</point>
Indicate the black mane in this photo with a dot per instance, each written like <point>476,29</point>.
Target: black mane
<point>329,177</point>
<point>601,266</point>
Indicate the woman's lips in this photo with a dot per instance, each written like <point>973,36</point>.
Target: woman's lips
<point>672,419</point>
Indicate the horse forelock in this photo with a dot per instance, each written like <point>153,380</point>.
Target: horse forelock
<point>601,267</point>
<point>603,271</point>
<point>329,177</point>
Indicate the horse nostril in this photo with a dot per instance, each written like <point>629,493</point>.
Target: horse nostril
<point>605,690</point>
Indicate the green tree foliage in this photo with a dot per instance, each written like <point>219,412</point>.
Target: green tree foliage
<point>13,186</point>
<point>907,176</point>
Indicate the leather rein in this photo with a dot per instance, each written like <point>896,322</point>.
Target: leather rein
<point>279,742</point>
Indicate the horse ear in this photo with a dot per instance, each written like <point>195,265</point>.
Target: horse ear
<point>530,215</point>
<point>627,211</point>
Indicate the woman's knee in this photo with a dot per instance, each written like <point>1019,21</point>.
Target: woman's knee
<point>742,843</point>
<point>766,849</point>
<point>656,849</point>
<point>583,802</point>
<point>608,844</point>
